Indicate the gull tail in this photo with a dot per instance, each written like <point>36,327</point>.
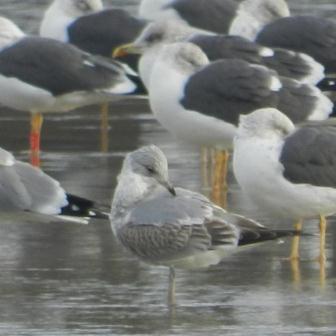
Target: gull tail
<point>295,65</point>
<point>251,232</point>
<point>300,101</point>
<point>82,207</point>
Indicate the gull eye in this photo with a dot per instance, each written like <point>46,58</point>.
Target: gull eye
<point>154,37</point>
<point>150,170</point>
<point>84,6</point>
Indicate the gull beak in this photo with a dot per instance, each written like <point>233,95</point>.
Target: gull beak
<point>125,50</point>
<point>172,190</point>
<point>169,187</point>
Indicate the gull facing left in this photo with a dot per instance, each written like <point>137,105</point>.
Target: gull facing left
<point>27,188</point>
<point>41,75</point>
<point>200,102</point>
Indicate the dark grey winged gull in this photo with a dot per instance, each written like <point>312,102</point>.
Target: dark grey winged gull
<point>156,34</point>
<point>220,16</point>
<point>315,36</point>
<point>200,102</point>
<point>90,27</point>
<point>44,75</point>
<point>27,188</point>
<point>171,226</point>
<point>287,171</point>
<point>312,35</point>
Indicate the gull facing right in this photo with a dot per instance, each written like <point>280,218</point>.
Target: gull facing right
<point>171,226</point>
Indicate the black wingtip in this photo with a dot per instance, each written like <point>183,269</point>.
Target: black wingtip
<point>290,233</point>
<point>140,87</point>
<point>328,83</point>
<point>82,207</point>
<point>251,237</point>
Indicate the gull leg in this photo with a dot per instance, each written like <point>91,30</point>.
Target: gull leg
<point>104,126</point>
<point>171,288</point>
<point>223,182</point>
<point>219,186</point>
<point>295,255</point>
<point>35,138</point>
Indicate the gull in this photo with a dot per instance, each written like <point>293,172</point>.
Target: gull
<point>175,227</point>
<point>287,171</point>
<point>200,102</point>
<point>24,187</point>
<point>92,28</point>
<point>220,16</point>
<point>156,34</point>
<point>40,75</point>
<point>314,36</point>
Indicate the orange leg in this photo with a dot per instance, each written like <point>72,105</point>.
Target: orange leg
<point>219,184</point>
<point>35,138</point>
<point>104,127</point>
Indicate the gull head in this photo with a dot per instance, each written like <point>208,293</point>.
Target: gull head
<point>77,8</point>
<point>163,31</point>
<point>266,122</point>
<point>155,35</point>
<point>151,165</point>
<point>266,10</point>
<point>184,56</point>
<point>9,32</point>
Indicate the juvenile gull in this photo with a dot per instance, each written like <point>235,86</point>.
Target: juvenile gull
<point>171,226</point>
<point>220,16</point>
<point>156,34</point>
<point>91,28</point>
<point>27,188</point>
<point>289,172</point>
<point>41,75</point>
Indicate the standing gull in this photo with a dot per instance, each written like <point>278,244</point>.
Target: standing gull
<point>85,24</point>
<point>289,172</point>
<point>156,34</point>
<point>27,188</point>
<point>200,102</point>
<point>91,28</point>
<point>43,75</point>
<point>220,16</point>
<point>171,226</point>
